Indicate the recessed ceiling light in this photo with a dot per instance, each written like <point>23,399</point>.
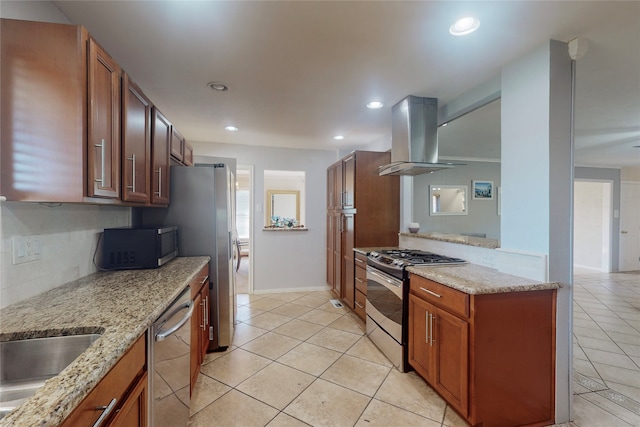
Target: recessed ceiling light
<point>464,26</point>
<point>220,87</point>
<point>374,105</point>
<point>338,137</point>
<point>444,124</point>
<point>231,128</point>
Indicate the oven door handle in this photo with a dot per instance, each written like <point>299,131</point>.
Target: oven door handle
<point>391,283</point>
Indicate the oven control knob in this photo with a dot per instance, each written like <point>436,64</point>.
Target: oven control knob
<point>374,254</point>
<point>398,262</point>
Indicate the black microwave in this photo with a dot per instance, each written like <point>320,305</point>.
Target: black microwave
<point>138,247</point>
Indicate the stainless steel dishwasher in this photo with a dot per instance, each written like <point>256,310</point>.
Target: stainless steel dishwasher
<point>169,358</point>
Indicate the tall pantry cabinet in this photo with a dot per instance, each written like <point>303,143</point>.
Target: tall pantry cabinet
<point>363,210</point>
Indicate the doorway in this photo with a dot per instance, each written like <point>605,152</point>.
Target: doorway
<point>592,225</point>
<point>244,227</point>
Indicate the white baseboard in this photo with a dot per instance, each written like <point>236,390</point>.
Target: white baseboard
<point>285,290</point>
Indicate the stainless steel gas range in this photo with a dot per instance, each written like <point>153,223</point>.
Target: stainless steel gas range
<point>387,296</point>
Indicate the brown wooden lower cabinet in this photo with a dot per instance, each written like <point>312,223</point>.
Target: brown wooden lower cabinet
<point>490,356</point>
<point>199,322</point>
<point>360,261</point>
<point>126,384</point>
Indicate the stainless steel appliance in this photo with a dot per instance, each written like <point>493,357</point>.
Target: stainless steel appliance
<point>387,298</point>
<point>169,358</point>
<point>414,138</point>
<point>134,247</point>
<point>202,207</point>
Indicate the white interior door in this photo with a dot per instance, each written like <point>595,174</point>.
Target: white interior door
<point>629,226</point>
<point>592,225</point>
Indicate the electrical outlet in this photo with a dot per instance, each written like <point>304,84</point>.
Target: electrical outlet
<point>26,248</point>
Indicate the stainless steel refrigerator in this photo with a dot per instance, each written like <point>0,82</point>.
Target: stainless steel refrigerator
<point>203,207</point>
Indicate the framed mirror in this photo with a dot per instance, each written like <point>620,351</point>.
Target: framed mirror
<point>448,200</point>
<point>283,204</point>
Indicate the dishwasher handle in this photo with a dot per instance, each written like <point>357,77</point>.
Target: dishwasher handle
<point>162,334</point>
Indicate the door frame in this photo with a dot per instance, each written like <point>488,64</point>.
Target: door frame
<point>251,257</point>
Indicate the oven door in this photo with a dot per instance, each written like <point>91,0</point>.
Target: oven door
<point>384,302</point>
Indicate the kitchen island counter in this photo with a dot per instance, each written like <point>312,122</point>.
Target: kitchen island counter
<point>475,279</point>
<point>120,305</point>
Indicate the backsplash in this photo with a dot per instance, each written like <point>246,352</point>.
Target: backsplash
<point>68,236</point>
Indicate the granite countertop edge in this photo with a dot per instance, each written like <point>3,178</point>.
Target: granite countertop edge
<point>472,278</point>
<point>477,280</point>
<point>121,305</point>
<point>480,242</point>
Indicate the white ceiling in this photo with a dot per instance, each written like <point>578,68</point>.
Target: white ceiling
<point>300,72</point>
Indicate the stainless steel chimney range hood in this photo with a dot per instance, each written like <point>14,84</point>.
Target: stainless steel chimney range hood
<point>414,138</point>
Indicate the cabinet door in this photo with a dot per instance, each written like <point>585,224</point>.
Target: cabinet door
<point>337,254</point>
<point>338,187</point>
<point>187,157</point>
<point>196,338</point>
<point>452,359</point>
<point>134,410</point>
<point>348,239</point>
<point>421,351</point>
<point>330,246</point>
<point>206,322</point>
<point>161,134</point>
<point>136,143</point>
<point>177,145</point>
<point>103,153</point>
<point>349,182</point>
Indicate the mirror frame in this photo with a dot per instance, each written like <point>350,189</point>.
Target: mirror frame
<point>466,199</point>
<point>270,194</point>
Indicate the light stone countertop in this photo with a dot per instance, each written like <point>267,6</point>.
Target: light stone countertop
<point>480,242</point>
<point>475,279</point>
<point>121,305</point>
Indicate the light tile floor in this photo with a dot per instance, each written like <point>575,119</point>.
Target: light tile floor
<point>606,349</point>
<point>296,360</point>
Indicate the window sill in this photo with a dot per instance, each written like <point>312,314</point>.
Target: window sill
<point>285,229</point>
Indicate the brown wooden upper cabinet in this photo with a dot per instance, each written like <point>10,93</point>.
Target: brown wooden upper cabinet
<point>103,154</point>
<point>44,111</point>
<point>74,127</point>
<point>188,155</point>
<point>136,143</point>
<point>181,151</point>
<point>161,139</point>
<point>177,145</point>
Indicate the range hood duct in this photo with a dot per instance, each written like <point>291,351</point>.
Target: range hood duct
<point>414,138</point>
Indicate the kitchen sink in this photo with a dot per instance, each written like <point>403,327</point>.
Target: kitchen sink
<point>26,364</point>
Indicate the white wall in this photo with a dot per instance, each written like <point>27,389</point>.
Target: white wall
<point>68,233</point>
<point>537,182</point>
<point>284,260</point>
<point>482,215</point>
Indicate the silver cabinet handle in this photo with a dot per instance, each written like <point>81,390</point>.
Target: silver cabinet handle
<point>204,322</point>
<point>206,312</point>
<point>102,148</point>
<point>159,172</point>
<point>431,317</point>
<point>359,260</point>
<point>359,305</point>
<point>204,279</point>
<point>106,411</point>
<point>133,173</point>
<point>426,326</point>
<point>358,280</point>
<point>430,292</point>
